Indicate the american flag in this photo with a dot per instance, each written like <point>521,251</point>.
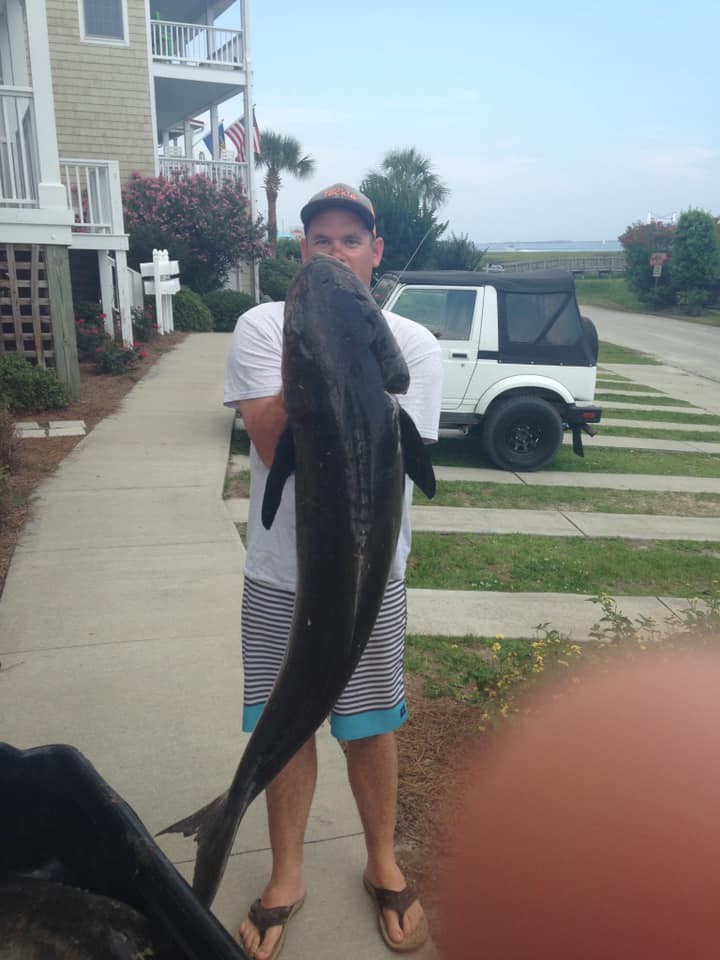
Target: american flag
<point>235,133</point>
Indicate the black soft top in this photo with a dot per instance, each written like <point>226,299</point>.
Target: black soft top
<point>534,281</point>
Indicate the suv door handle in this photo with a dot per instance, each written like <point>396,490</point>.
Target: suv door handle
<point>459,355</point>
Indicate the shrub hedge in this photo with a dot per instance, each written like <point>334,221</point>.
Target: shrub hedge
<point>226,306</point>
<point>25,387</point>
<point>190,313</point>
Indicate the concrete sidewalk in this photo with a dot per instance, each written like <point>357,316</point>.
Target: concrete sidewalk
<point>119,633</point>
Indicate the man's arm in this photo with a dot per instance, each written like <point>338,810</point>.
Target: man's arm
<point>264,419</point>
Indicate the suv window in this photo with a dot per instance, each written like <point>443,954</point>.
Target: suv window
<point>446,313</point>
<point>540,327</point>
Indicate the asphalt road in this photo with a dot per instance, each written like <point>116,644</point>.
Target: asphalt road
<point>691,347</point>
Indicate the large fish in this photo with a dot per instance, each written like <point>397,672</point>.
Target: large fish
<point>81,877</point>
<point>349,445</point>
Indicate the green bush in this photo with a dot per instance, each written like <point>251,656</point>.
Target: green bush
<point>226,306</point>
<point>695,264</point>
<point>275,277</point>
<point>114,358</point>
<point>89,310</point>
<point>144,324</point>
<point>91,337</point>
<point>25,387</point>
<point>190,313</point>
<point>9,444</point>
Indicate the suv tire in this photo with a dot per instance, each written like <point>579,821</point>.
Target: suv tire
<point>522,433</point>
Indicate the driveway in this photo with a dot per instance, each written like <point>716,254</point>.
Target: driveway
<point>690,353</point>
<point>692,347</point>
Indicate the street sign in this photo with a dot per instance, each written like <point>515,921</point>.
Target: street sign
<point>658,259</point>
<point>657,269</point>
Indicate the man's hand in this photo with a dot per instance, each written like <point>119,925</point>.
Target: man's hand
<point>264,419</point>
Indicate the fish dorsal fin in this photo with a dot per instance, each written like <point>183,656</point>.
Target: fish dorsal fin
<point>283,466</point>
<point>416,455</point>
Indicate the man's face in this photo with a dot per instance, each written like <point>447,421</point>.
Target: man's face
<point>340,234</point>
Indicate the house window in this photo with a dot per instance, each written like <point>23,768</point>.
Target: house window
<point>104,21</point>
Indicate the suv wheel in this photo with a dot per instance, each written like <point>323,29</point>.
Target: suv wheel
<point>522,433</point>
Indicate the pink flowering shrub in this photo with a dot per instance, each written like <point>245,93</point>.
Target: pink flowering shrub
<point>207,228</point>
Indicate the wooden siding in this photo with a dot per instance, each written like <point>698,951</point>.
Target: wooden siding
<point>102,91</point>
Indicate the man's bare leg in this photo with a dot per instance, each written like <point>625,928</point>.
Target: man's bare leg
<point>289,798</point>
<point>373,772</point>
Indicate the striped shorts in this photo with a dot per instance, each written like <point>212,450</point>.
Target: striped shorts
<point>373,701</point>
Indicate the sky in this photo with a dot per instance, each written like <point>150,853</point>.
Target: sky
<point>547,121</point>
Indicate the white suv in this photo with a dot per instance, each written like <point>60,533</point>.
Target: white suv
<point>520,361</point>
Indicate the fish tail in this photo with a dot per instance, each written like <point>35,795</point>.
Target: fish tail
<point>214,831</point>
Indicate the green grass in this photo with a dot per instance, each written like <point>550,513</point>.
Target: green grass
<point>627,386</point>
<point>610,292</point>
<point>237,484</point>
<point>521,563</point>
<point>468,453</point>
<point>480,671</point>
<point>604,376</point>
<point>664,416</point>
<point>657,401</point>
<point>660,434</point>
<point>614,353</point>
<point>532,256</point>
<point>501,496</point>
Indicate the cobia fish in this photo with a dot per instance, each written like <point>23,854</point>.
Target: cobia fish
<point>348,444</point>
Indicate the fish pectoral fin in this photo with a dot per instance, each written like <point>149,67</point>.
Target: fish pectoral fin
<point>416,455</point>
<point>283,466</point>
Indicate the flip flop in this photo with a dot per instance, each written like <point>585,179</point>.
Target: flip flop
<point>399,901</point>
<point>266,917</point>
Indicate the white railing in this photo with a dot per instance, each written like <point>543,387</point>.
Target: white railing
<point>93,194</point>
<point>195,44</point>
<point>18,148</point>
<point>216,170</point>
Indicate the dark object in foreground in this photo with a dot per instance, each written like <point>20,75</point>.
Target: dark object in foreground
<point>81,877</point>
<point>349,445</point>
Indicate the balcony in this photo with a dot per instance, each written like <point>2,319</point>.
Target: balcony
<point>218,171</point>
<point>196,45</point>
<point>18,148</point>
<point>95,198</point>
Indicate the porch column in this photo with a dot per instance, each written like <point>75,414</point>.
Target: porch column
<point>105,266</point>
<point>188,140</point>
<point>124,298</point>
<point>215,141</point>
<point>57,263</point>
<point>249,137</point>
<point>51,192</point>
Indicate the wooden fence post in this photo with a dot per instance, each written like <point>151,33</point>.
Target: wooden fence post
<point>57,264</point>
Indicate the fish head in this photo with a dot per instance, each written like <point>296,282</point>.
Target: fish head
<point>333,326</point>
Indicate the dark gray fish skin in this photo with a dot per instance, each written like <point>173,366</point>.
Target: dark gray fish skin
<point>61,823</point>
<point>343,442</point>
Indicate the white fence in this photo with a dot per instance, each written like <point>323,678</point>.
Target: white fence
<point>18,148</point>
<point>216,170</point>
<point>93,194</point>
<point>195,44</point>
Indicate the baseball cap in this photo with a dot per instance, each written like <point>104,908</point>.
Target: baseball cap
<point>340,195</point>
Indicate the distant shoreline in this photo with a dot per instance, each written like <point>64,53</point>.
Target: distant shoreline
<point>551,246</point>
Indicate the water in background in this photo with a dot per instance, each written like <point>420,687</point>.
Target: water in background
<point>552,246</point>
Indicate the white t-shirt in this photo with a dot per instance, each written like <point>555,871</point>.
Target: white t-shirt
<point>253,370</point>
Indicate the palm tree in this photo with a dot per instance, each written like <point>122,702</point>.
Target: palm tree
<point>409,168</point>
<point>279,154</point>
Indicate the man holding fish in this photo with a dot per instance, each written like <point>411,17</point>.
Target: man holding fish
<point>340,223</point>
